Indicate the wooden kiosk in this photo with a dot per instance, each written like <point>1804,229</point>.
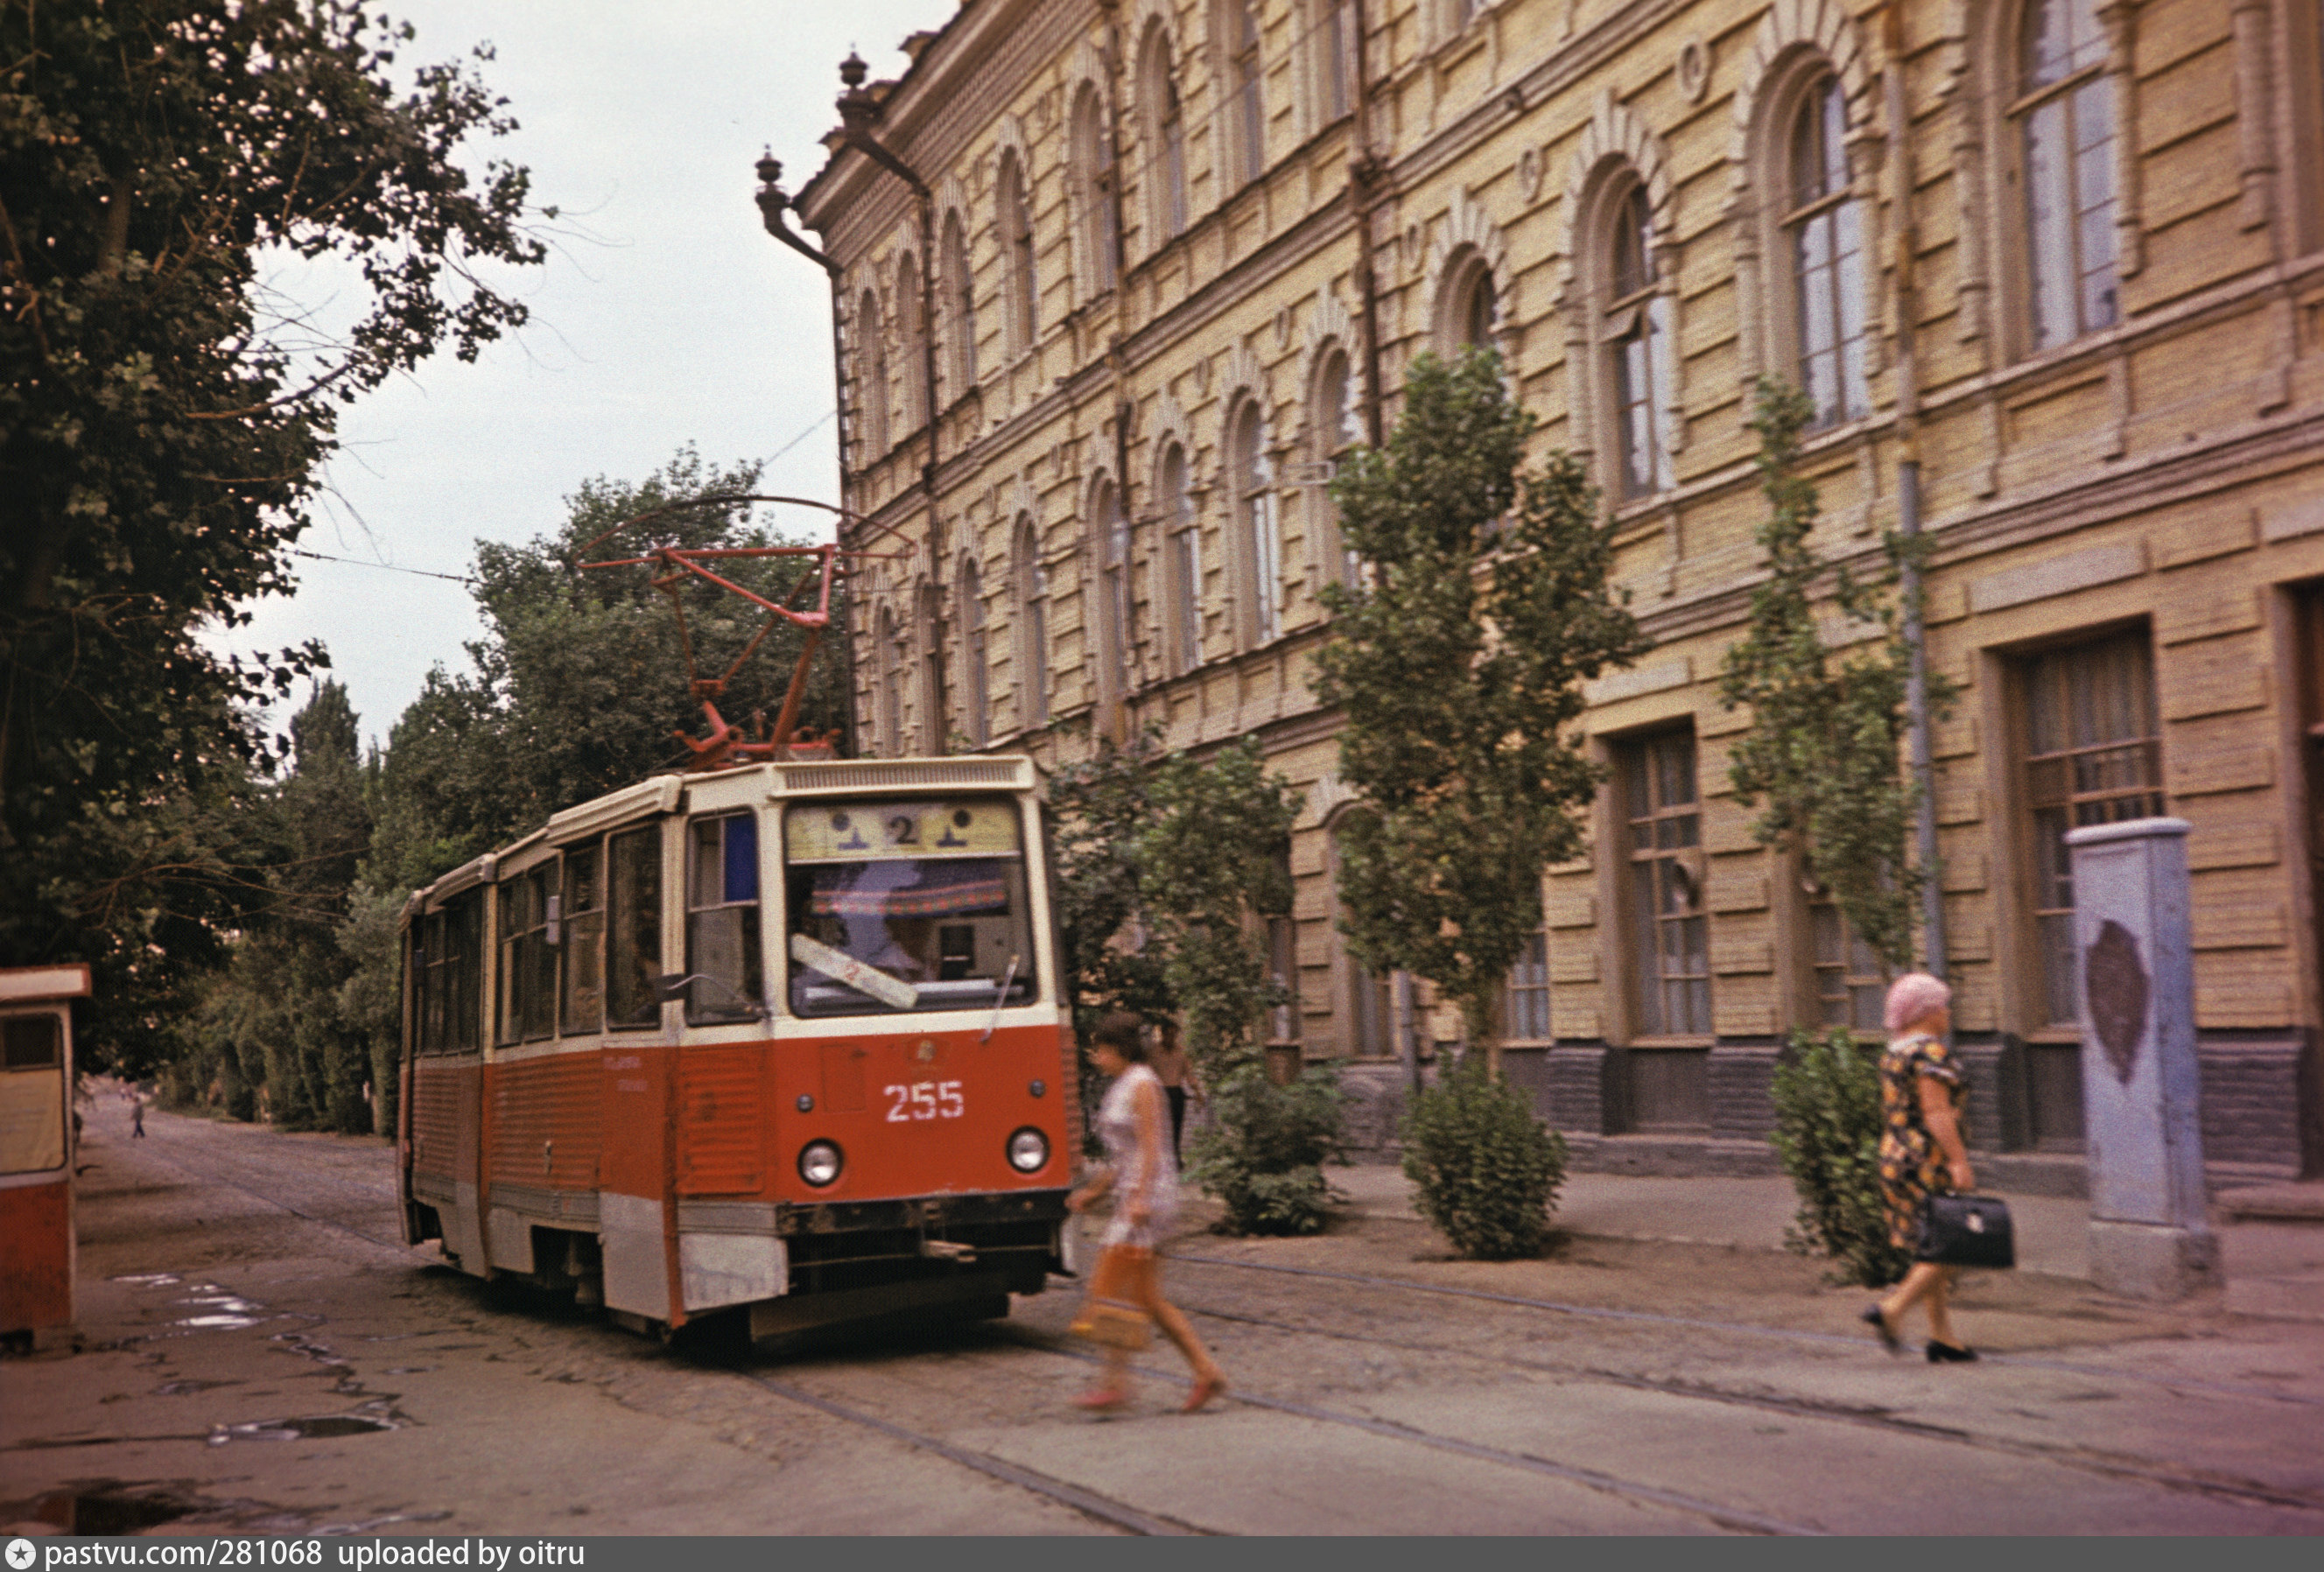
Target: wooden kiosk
<point>37,1242</point>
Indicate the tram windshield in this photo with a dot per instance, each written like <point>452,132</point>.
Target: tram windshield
<point>899,906</point>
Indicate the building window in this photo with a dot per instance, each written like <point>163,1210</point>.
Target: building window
<point>1370,1032</point>
<point>931,636</point>
<point>1334,42</point>
<point>1113,608</point>
<point>634,946</point>
<point>528,961</point>
<point>1334,428</point>
<point>1246,102</point>
<point>889,698</point>
<point>1283,963</point>
<point>1670,960</point>
<point>1632,329</point>
<point>2092,757</point>
<point>721,918</point>
<point>1022,317</point>
<point>1166,138</point>
<point>1526,1009</point>
<point>908,312</point>
<point>1851,982</point>
<point>978,700</point>
<point>2064,108</point>
<point>1182,553</point>
<point>1258,534</point>
<point>960,288</point>
<point>872,395</point>
<point>1473,307</point>
<point>1823,236</point>
<point>1101,235</point>
<point>581,1005</point>
<point>1032,628</point>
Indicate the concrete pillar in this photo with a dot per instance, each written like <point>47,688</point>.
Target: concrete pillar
<point>2141,1086</point>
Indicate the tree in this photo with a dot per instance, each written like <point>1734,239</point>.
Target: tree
<point>1458,664</point>
<point>164,416</point>
<point>1824,748</point>
<point>1101,809</point>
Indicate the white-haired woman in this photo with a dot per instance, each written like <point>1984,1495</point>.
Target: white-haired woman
<point>1921,1154</point>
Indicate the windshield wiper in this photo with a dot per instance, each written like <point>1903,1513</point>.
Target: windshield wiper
<point>999,1001</point>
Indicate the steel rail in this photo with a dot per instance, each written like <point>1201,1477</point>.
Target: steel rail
<point>1599,1312</point>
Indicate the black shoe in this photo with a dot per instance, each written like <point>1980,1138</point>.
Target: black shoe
<point>1879,1323</point>
<point>1946,1354</point>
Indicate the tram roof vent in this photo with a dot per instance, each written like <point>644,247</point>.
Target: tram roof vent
<point>856,775</point>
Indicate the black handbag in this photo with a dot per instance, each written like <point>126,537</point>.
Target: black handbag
<point>1966,1230</point>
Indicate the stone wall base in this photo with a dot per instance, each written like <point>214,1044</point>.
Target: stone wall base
<point>2151,1261</point>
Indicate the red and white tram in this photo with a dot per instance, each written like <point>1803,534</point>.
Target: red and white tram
<point>785,1039</point>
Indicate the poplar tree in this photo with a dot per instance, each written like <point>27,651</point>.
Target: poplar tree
<point>1458,664</point>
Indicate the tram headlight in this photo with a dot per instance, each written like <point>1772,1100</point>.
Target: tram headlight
<point>820,1163</point>
<point>1029,1150</point>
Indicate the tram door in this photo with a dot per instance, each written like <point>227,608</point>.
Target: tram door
<point>37,1244</point>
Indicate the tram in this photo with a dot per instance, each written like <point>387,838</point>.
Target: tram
<point>783,1041</point>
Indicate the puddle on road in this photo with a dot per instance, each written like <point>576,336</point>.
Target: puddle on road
<point>102,1511</point>
<point>411,1369</point>
<point>217,1310</point>
<point>183,1388</point>
<point>148,1279</point>
<point>321,1427</point>
<point>217,1323</point>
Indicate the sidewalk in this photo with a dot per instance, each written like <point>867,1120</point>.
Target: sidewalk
<point>2274,1263</point>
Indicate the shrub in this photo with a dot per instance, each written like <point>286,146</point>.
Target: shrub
<point>1827,1096</point>
<point>1264,1152</point>
<point>1487,1169</point>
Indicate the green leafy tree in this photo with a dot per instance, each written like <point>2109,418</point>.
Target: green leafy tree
<point>1100,809</point>
<point>164,419</point>
<point>1827,1097</point>
<point>1824,750</point>
<point>1458,665</point>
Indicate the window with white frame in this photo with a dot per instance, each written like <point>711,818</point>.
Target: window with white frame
<point>1093,148</point>
<point>1851,981</point>
<point>1333,38</point>
<point>1258,532</point>
<point>908,313</point>
<point>1021,314</point>
<point>977,693</point>
<point>1114,637</point>
<point>1032,627</point>
<point>1632,330</point>
<point>871,394</point>
<point>1164,135</point>
<point>1334,428</point>
<point>1182,553</point>
<point>1669,940</point>
<point>2061,108</point>
<point>960,293</point>
<point>1246,90</point>
<point>1823,244</point>
<point>1525,1003</point>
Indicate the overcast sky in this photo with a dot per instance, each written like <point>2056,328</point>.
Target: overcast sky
<point>667,316</point>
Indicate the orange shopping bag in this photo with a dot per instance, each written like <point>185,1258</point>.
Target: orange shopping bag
<point>1114,1314</point>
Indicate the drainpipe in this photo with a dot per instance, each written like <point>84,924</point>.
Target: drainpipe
<point>1114,64</point>
<point>1367,182</point>
<point>858,112</point>
<point>773,203</point>
<point>1907,294</point>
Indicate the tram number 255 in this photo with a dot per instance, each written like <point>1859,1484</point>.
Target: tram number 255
<point>923,1099</point>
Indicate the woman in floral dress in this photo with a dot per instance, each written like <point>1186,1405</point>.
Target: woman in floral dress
<point>1921,1154</point>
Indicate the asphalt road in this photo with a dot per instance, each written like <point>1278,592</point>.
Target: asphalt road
<point>262,1355</point>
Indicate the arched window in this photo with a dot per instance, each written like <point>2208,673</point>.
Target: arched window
<point>928,621</point>
<point>1470,312</point>
<point>1032,628</point>
<point>1258,539</point>
<point>1113,608</point>
<point>1334,428</point>
<point>1333,38</point>
<point>1182,553</point>
<point>1246,102</point>
<point>960,294</point>
<point>1164,131</point>
<point>2063,107</point>
<point>1823,241</point>
<point>889,695</point>
<point>1101,234</point>
<point>871,388</point>
<point>1632,332</point>
<point>908,313</point>
<point>1023,294</point>
<point>976,692</point>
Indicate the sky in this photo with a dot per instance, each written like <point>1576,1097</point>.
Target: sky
<point>665,315</point>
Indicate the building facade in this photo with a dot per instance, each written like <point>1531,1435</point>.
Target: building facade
<point>2067,255</point>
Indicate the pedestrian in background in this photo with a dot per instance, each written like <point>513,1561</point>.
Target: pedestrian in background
<point>1176,1073</point>
<point>1921,1154</point>
<point>136,1115</point>
<point>1142,1176</point>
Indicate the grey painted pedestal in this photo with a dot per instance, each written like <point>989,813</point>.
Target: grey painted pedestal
<point>2150,1236</point>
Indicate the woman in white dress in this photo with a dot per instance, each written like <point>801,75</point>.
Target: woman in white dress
<point>1144,1182</point>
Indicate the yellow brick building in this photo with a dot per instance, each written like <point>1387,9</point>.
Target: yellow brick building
<point>2070,253</point>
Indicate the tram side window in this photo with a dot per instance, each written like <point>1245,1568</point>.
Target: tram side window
<point>633,943</point>
<point>907,906</point>
<point>449,957</point>
<point>581,1007</point>
<point>527,978</point>
<point>722,919</point>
